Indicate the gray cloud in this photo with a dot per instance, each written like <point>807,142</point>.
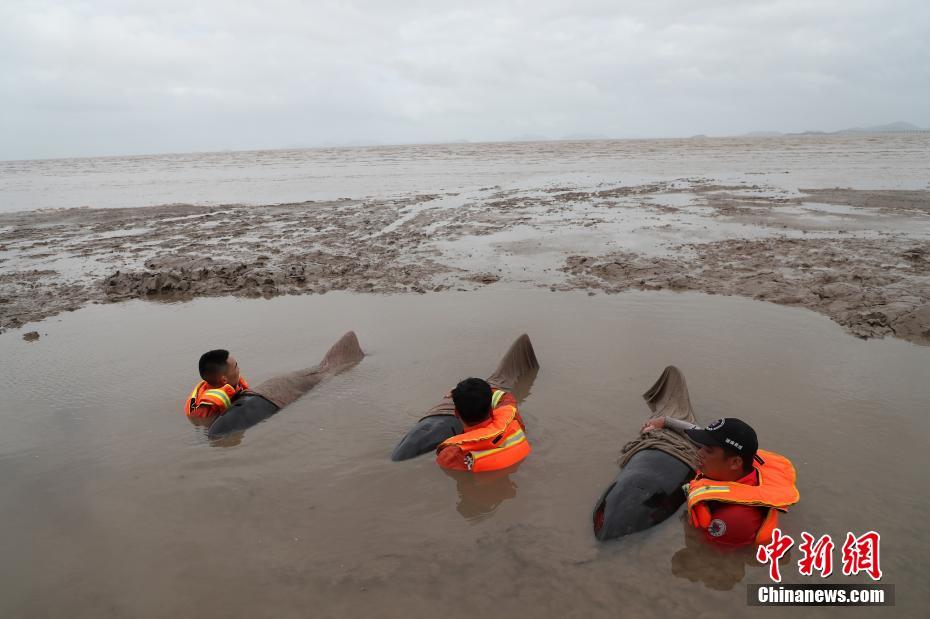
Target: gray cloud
<point>114,77</point>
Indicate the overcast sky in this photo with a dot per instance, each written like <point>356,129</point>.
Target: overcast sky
<point>149,76</point>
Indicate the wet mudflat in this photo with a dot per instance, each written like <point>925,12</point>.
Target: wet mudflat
<point>114,505</point>
<point>840,225</point>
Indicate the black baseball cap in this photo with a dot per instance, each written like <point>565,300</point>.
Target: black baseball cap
<point>731,433</point>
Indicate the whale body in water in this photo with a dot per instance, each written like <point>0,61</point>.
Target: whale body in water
<point>440,422</point>
<point>269,397</point>
<point>648,488</point>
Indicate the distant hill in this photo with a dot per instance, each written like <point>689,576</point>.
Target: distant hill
<point>897,127</point>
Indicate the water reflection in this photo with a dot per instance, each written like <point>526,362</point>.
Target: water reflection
<point>233,439</point>
<point>481,494</point>
<point>202,429</point>
<point>716,568</point>
<point>202,423</point>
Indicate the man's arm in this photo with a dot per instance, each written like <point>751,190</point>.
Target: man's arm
<point>671,423</point>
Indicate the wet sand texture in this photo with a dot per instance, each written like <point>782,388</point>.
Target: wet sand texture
<point>271,395</point>
<point>668,397</point>
<point>518,364</point>
<point>861,257</point>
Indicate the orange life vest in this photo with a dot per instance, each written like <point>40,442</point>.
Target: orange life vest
<point>495,446</point>
<point>776,490</point>
<point>219,398</point>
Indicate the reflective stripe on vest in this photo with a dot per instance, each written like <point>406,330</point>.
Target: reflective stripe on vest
<point>497,428</point>
<point>496,446</point>
<point>517,437</point>
<point>218,396</point>
<point>776,490</point>
<point>220,399</point>
<point>776,487</point>
<point>706,490</point>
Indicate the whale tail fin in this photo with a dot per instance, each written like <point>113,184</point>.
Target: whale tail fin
<point>668,397</point>
<point>267,398</point>
<point>518,361</point>
<point>284,389</point>
<point>343,353</point>
<point>518,364</point>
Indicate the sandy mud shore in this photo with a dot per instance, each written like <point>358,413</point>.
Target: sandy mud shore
<point>859,257</point>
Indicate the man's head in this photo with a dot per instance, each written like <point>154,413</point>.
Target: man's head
<point>472,398</point>
<point>728,448</point>
<point>219,368</point>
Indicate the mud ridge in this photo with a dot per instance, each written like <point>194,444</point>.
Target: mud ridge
<point>860,257</point>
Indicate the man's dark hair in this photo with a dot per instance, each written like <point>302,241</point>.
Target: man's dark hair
<point>472,398</point>
<point>747,460</point>
<point>212,364</point>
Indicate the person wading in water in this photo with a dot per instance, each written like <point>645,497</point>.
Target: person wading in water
<point>221,384</point>
<point>494,436</point>
<point>739,490</point>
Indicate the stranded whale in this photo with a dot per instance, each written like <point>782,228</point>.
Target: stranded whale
<point>440,422</point>
<point>266,399</point>
<point>654,467</point>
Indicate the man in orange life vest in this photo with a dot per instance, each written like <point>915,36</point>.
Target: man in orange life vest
<point>220,385</point>
<point>739,490</point>
<point>494,436</point>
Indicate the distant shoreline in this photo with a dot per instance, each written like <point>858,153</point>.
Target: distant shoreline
<point>470,143</point>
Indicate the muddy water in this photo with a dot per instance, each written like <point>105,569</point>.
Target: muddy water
<point>113,505</point>
<point>890,161</point>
